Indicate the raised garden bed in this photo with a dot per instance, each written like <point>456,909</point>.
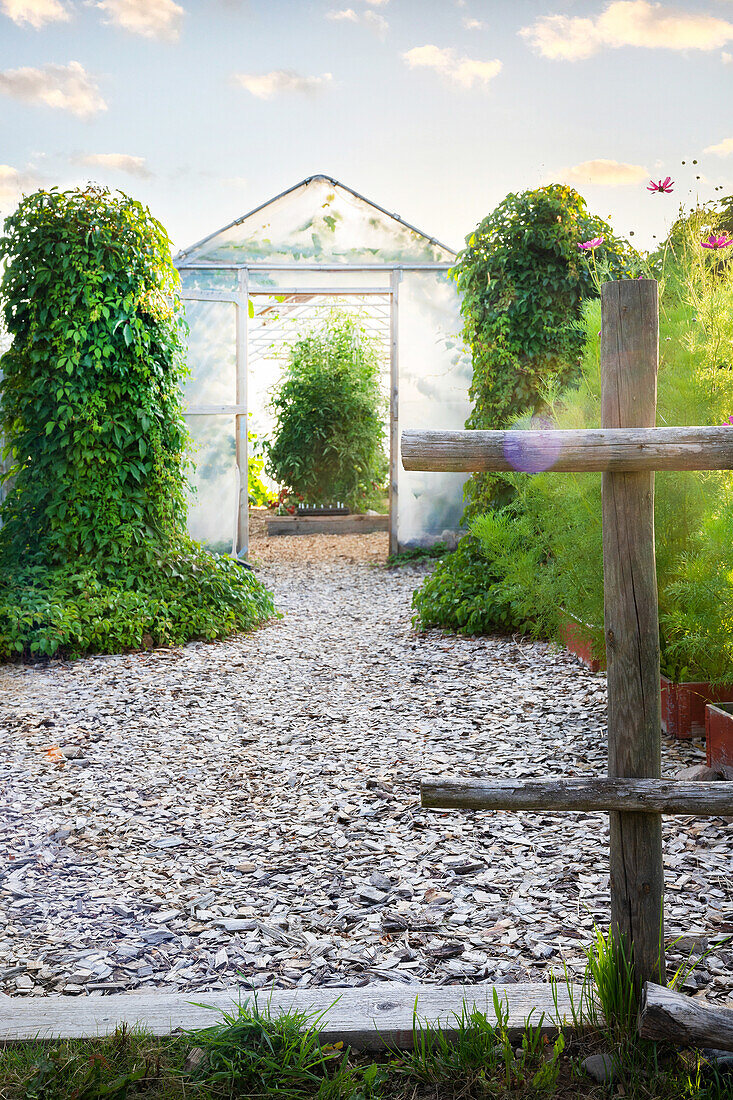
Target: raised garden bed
<point>683,706</point>
<point>325,525</point>
<point>577,639</point>
<point>719,737</point>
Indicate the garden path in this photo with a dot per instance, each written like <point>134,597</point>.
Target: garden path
<point>251,806</point>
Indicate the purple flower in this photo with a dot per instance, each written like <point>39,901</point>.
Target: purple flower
<point>588,246</point>
<point>717,242</point>
<point>729,420</point>
<point>661,185</point>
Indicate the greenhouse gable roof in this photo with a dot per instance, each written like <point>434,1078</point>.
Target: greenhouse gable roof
<point>318,221</point>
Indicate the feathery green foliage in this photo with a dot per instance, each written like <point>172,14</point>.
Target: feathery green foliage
<point>545,551</point>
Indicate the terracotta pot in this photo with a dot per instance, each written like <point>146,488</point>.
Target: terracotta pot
<point>578,639</point>
<point>683,706</point>
<point>719,735</point>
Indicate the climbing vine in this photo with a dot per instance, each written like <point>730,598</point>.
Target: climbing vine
<point>91,412</point>
<point>522,278</point>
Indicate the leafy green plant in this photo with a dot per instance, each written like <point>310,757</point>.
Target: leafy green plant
<point>465,594</point>
<point>417,553</point>
<point>522,281</point>
<point>328,441</point>
<point>259,495</point>
<point>94,554</point>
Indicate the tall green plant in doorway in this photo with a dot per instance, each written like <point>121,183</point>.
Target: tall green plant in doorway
<point>328,441</point>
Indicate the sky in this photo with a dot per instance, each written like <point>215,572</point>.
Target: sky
<point>434,109</point>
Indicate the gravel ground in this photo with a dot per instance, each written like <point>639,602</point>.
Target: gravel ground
<point>247,811</point>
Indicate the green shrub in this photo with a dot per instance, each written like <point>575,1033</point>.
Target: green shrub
<point>466,595</point>
<point>328,440</point>
<point>94,554</point>
<point>549,548</point>
<point>522,281</point>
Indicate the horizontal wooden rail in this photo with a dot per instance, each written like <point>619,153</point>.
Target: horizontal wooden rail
<point>663,796</point>
<point>369,1018</point>
<point>583,451</point>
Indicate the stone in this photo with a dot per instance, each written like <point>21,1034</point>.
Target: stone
<point>699,773</point>
<point>371,896</point>
<point>601,1068</point>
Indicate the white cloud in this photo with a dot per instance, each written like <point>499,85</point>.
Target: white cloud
<point>267,85</point>
<point>117,162</point>
<point>726,58</point>
<point>604,173</point>
<point>344,15</point>
<point>13,184</point>
<point>35,12</point>
<point>473,24</point>
<point>64,87</point>
<point>722,149</point>
<point>626,23</point>
<point>368,18</point>
<point>461,70</point>
<point>150,18</point>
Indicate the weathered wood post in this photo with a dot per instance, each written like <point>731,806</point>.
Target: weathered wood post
<point>629,360</point>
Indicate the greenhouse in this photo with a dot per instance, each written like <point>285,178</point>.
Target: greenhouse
<point>251,290</point>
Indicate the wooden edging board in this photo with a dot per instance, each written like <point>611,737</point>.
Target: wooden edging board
<point>325,525</point>
<point>367,1018</point>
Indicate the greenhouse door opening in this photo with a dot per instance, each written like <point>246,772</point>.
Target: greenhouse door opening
<point>239,347</point>
<point>278,321</point>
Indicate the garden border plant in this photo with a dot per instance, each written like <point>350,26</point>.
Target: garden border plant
<point>94,554</point>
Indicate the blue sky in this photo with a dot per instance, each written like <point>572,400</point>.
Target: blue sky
<point>433,108</point>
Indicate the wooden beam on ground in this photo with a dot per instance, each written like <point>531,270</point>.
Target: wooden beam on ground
<point>659,796</point>
<point>665,1014</point>
<point>326,525</point>
<point>629,359</point>
<point>368,1018</point>
<point>580,451</point>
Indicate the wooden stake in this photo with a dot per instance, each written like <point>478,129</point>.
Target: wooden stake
<point>629,355</point>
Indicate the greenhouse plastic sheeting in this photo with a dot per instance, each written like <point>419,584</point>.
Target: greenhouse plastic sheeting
<point>211,515</point>
<point>211,354</point>
<point>318,221</point>
<point>435,373</point>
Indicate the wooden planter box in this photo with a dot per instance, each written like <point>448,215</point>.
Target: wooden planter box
<point>325,525</point>
<point>577,639</point>
<point>683,706</point>
<point>719,736</point>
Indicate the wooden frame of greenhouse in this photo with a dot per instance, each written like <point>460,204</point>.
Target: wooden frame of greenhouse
<point>250,288</point>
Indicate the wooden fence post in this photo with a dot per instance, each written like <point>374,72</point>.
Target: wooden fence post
<point>629,357</point>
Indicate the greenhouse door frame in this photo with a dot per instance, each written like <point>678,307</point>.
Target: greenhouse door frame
<point>240,298</point>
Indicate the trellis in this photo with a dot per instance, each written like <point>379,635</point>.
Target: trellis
<point>627,449</point>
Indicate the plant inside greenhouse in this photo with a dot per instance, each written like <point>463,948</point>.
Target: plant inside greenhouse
<point>94,554</point>
<point>327,445</point>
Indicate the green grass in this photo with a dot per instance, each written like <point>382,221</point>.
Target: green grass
<point>251,1054</point>
<point>417,553</point>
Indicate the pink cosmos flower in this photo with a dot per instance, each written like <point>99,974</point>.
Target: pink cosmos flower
<point>729,420</point>
<point>588,246</point>
<point>717,242</point>
<point>661,185</point>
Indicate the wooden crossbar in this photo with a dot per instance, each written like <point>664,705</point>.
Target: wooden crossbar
<point>580,451</point>
<point>660,796</point>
